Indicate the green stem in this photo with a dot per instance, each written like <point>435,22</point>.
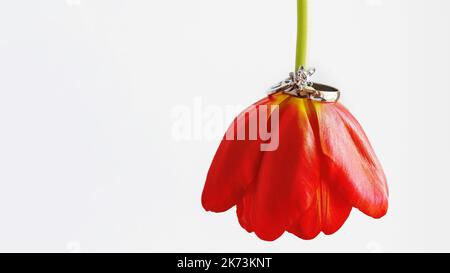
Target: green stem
<point>302,33</point>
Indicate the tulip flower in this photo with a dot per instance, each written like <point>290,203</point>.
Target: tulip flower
<point>322,167</point>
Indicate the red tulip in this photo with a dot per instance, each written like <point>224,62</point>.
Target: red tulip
<point>323,166</point>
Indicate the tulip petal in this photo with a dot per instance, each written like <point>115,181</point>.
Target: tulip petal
<point>328,213</point>
<point>236,162</point>
<point>351,161</point>
<point>329,209</point>
<point>288,177</point>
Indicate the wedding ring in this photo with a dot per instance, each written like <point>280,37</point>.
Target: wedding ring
<point>299,84</point>
<point>324,93</point>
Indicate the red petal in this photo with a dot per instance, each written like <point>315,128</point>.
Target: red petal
<point>287,179</point>
<point>329,209</point>
<point>235,164</point>
<point>328,213</point>
<point>351,162</point>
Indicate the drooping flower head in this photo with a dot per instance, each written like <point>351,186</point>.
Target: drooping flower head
<point>322,167</point>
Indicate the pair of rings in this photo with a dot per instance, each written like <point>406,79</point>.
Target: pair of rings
<point>299,84</point>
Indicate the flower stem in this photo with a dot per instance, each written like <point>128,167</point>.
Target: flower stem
<point>302,33</point>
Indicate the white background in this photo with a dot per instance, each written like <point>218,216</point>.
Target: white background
<point>88,161</point>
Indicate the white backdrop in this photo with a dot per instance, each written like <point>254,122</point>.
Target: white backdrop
<point>88,157</point>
